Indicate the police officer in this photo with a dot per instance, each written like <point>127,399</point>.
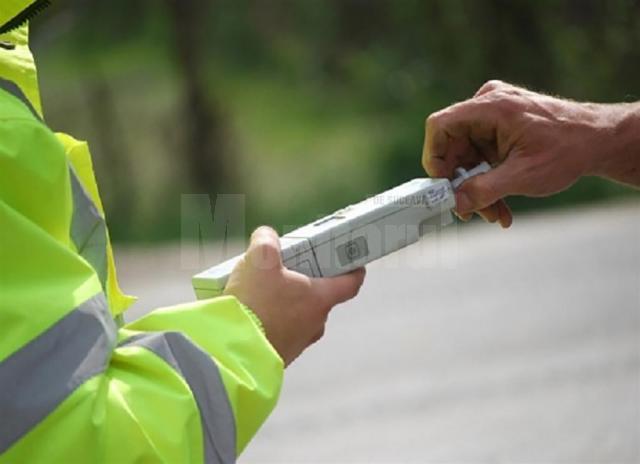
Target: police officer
<point>189,383</point>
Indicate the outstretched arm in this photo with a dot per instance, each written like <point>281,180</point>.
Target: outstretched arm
<point>539,145</point>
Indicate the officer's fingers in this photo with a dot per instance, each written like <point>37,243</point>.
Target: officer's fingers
<point>264,249</point>
<point>334,290</point>
<point>318,335</point>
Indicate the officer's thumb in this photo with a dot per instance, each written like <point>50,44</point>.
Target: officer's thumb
<point>334,290</point>
<point>483,190</point>
<point>264,249</point>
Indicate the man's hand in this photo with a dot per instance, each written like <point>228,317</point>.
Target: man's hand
<point>538,145</point>
<point>293,308</point>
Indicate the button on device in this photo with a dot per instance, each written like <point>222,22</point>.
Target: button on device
<point>326,219</point>
<point>352,250</point>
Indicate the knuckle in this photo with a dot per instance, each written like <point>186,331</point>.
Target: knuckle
<point>318,335</point>
<point>355,289</point>
<point>490,86</point>
<point>432,120</point>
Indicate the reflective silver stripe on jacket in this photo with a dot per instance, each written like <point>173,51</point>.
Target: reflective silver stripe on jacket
<point>37,378</point>
<point>16,91</point>
<point>88,229</point>
<point>204,380</point>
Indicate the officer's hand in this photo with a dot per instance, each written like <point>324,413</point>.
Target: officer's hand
<point>293,308</point>
<point>539,145</point>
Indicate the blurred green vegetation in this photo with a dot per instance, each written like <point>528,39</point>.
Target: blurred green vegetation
<point>304,105</point>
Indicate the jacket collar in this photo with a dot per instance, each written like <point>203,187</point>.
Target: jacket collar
<point>14,13</point>
<point>17,68</point>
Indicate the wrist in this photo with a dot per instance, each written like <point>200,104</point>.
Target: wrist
<point>617,143</point>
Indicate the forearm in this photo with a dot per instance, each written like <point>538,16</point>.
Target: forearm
<point>249,367</point>
<point>618,154</point>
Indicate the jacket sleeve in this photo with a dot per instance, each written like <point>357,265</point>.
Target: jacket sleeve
<point>249,367</point>
<point>190,383</point>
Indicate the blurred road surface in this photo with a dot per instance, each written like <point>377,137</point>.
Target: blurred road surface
<point>479,345</point>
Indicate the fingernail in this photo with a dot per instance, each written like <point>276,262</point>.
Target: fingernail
<point>505,222</point>
<point>463,204</point>
<point>264,230</point>
<point>465,217</point>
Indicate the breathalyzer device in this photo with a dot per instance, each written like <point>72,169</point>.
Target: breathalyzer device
<point>358,234</point>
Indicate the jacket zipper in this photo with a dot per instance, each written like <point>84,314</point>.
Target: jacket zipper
<point>25,15</point>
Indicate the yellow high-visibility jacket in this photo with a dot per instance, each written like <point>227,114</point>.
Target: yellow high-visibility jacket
<point>189,383</point>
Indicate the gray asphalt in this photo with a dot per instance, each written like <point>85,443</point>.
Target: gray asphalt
<point>476,345</point>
